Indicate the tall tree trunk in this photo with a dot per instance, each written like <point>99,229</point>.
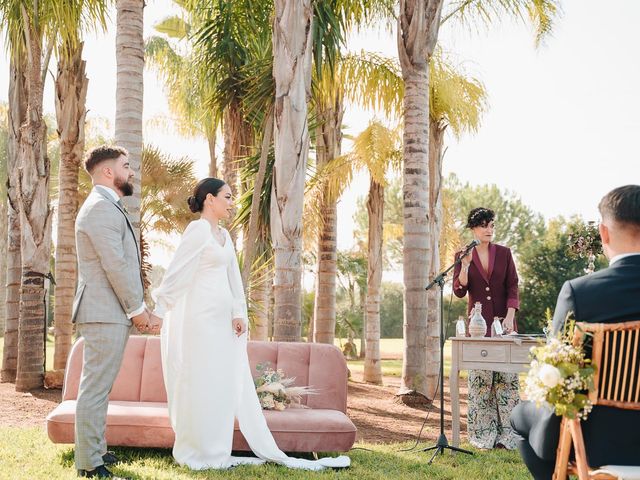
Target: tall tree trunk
<point>17,116</point>
<point>250,241</point>
<point>211,141</point>
<point>35,223</point>
<point>4,182</point>
<point>292,49</point>
<point>129,94</point>
<point>71,94</point>
<point>436,138</point>
<point>375,207</point>
<point>261,299</point>
<point>237,139</point>
<point>418,24</point>
<point>328,146</point>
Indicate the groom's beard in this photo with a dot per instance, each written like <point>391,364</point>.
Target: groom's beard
<point>124,186</point>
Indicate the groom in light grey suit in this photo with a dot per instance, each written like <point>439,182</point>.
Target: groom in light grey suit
<point>109,298</point>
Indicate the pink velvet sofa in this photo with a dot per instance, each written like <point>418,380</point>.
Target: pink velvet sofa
<point>138,415</point>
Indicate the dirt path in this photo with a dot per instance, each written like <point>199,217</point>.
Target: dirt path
<point>372,408</point>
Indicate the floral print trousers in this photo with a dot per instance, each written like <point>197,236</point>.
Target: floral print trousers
<point>492,397</point>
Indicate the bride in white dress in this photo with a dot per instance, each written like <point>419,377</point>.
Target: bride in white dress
<point>204,346</point>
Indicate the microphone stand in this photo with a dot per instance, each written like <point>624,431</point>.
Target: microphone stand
<point>442,442</point>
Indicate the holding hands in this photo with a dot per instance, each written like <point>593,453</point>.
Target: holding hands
<point>147,322</point>
<point>239,326</point>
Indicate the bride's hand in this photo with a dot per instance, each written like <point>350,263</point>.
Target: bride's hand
<point>239,327</point>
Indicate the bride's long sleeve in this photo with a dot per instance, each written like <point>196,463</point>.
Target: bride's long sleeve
<point>179,275</point>
<point>237,290</point>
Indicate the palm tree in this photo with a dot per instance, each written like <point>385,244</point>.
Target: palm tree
<point>292,48</point>
<point>129,93</point>
<point>348,78</point>
<point>188,90</point>
<point>418,24</point>
<point>166,185</point>
<point>4,139</point>
<point>16,115</point>
<point>27,24</point>
<point>70,99</point>
<point>376,149</point>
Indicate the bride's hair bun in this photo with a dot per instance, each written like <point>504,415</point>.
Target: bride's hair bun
<point>204,187</point>
<point>194,205</point>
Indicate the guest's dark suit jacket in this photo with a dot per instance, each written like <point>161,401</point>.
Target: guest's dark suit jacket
<point>612,436</point>
<point>496,290</point>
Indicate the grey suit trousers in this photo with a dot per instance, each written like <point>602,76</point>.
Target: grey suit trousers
<point>104,345</point>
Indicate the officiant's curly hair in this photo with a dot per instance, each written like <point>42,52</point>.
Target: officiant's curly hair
<point>203,188</point>
<point>101,154</point>
<point>480,217</point>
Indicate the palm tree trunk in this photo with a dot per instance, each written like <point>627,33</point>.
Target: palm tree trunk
<point>292,40</point>
<point>211,141</point>
<point>436,138</point>
<point>375,207</point>
<point>35,224</point>
<point>328,146</point>
<point>3,243</point>
<point>254,216</point>
<point>71,93</point>
<point>129,94</point>
<point>17,116</point>
<point>418,23</point>
<point>260,298</point>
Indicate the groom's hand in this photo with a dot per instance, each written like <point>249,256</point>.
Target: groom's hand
<point>141,321</point>
<point>239,327</point>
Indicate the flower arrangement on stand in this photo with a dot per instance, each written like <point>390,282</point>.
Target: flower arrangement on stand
<point>585,242</point>
<point>560,375</point>
<point>276,392</point>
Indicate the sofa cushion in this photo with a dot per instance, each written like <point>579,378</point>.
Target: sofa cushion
<point>146,424</point>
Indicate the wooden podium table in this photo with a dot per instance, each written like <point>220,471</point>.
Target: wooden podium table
<point>500,354</point>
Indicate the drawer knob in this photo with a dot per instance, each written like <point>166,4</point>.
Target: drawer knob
<point>484,353</point>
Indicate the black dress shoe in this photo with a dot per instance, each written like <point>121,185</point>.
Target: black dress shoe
<point>110,458</point>
<point>98,472</point>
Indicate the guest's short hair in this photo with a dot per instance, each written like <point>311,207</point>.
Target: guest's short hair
<point>101,154</point>
<point>480,217</point>
<point>202,189</point>
<point>622,205</point>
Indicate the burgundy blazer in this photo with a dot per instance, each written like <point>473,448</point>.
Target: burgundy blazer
<point>496,290</point>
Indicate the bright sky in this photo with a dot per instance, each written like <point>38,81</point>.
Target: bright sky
<point>561,123</point>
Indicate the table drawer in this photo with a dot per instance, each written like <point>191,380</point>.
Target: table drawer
<point>484,353</point>
<point>520,353</point>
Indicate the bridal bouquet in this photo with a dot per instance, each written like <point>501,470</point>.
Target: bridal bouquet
<point>560,376</point>
<point>276,392</point>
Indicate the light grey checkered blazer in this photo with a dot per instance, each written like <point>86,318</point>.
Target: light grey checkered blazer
<point>109,277</point>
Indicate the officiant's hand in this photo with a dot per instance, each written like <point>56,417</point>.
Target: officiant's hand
<point>239,327</point>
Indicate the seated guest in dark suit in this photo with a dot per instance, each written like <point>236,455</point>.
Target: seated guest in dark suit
<point>611,295</point>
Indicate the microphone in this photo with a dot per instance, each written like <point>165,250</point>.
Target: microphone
<point>468,248</point>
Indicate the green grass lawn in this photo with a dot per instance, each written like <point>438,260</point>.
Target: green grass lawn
<point>28,454</point>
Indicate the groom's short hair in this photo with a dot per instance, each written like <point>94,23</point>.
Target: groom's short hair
<point>101,154</point>
<point>622,205</point>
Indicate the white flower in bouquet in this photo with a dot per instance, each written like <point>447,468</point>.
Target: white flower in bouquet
<point>549,375</point>
<point>560,376</point>
<point>268,402</point>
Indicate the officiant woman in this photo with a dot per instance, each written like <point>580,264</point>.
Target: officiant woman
<point>488,275</point>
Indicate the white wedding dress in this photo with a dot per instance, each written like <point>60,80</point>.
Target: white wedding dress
<point>205,365</point>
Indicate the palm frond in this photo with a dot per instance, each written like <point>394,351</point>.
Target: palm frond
<point>455,99</point>
<point>480,13</point>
